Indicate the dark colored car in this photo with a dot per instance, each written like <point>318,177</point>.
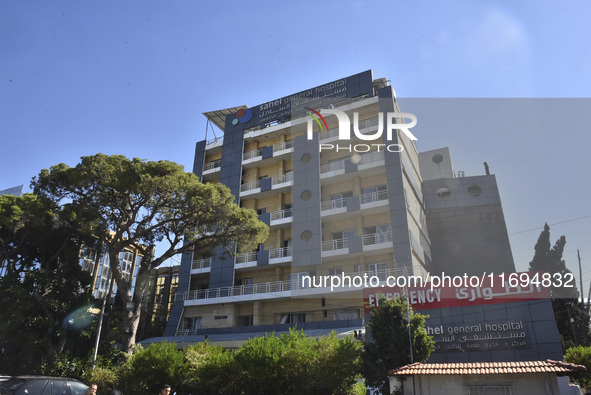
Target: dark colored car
<point>42,385</point>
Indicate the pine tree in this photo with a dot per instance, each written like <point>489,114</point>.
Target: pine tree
<point>571,316</point>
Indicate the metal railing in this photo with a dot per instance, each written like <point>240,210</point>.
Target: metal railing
<point>203,263</point>
<point>333,166</point>
<point>363,127</point>
<point>377,238</point>
<point>250,186</point>
<point>336,244</point>
<point>335,203</point>
<point>373,197</point>
<point>280,252</point>
<point>214,164</point>
<point>370,157</point>
<point>258,152</point>
<point>251,154</point>
<point>246,257</point>
<point>276,215</point>
<point>281,146</point>
<point>287,177</point>
<point>280,286</point>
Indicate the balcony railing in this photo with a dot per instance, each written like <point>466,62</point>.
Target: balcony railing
<point>250,186</point>
<point>247,257</point>
<point>336,244</point>
<point>280,253</point>
<point>277,215</point>
<point>370,157</point>
<point>377,238</point>
<point>334,203</point>
<point>287,177</point>
<point>280,286</point>
<point>373,197</point>
<point>251,154</point>
<point>201,263</point>
<point>364,127</point>
<point>214,164</point>
<point>258,152</point>
<point>281,146</point>
<point>333,166</point>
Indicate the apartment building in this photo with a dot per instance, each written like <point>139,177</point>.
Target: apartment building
<point>342,202</point>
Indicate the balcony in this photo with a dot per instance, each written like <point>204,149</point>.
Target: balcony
<point>338,168</point>
<point>277,289</point>
<point>246,257</point>
<point>377,238</point>
<point>213,165</point>
<point>372,197</point>
<point>201,265</point>
<point>280,255</point>
<point>277,150</point>
<point>281,217</point>
<point>365,126</point>
<point>282,181</point>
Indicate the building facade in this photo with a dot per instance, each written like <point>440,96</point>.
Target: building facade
<point>342,203</point>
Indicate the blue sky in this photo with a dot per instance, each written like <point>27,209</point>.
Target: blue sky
<point>134,77</point>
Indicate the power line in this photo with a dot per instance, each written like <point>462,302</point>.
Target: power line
<point>556,223</point>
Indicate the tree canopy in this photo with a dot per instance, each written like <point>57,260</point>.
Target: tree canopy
<point>44,295</point>
<point>389,346</point>
<point>133,203</point>
<point>572,318</point>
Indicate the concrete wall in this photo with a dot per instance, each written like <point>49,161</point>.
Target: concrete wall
<point>467,226</point>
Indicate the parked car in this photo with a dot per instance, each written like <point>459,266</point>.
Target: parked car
<point>42,385</point>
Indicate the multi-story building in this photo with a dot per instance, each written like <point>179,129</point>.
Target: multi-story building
<point>95,260</point>
<point>336,209</point>
<point>162,288</point>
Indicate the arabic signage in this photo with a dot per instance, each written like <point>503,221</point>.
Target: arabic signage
<point>481,336</point>
<point>279,109</point>
<point>488,289</point>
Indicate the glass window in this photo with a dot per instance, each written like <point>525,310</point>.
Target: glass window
<point>78,388</point>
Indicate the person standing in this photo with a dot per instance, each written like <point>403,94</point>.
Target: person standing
<point>113,390</point>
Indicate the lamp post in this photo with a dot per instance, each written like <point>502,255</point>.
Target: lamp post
<point>100,324</point>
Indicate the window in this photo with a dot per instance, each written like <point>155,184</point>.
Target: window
<point>341,239</point>
<point>373,194</point>
<point>295,280</point>
<point>335,271</point>
<point>378,269</point>
<point>126,260</point>
<point>340,199</point>
<point>345,314</point>
<point>191,324</point>
<point>292,318</point>
<point>245,320</point>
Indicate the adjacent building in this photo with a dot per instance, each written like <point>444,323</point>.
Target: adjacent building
<point>343,201</point>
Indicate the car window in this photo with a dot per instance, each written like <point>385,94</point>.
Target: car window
<point>32,387</point>
<point>59,387</point>
<point>78,388</point>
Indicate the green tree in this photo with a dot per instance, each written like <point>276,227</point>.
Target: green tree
<point>580,355</point>
<point>136,203</point>
<point>572,318</point>
<point>149,368</point>
<point>294,363</point>
<point>44,295</point>
<point>388,345</point>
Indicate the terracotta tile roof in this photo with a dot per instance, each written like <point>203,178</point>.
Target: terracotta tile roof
<point>547,366</point>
